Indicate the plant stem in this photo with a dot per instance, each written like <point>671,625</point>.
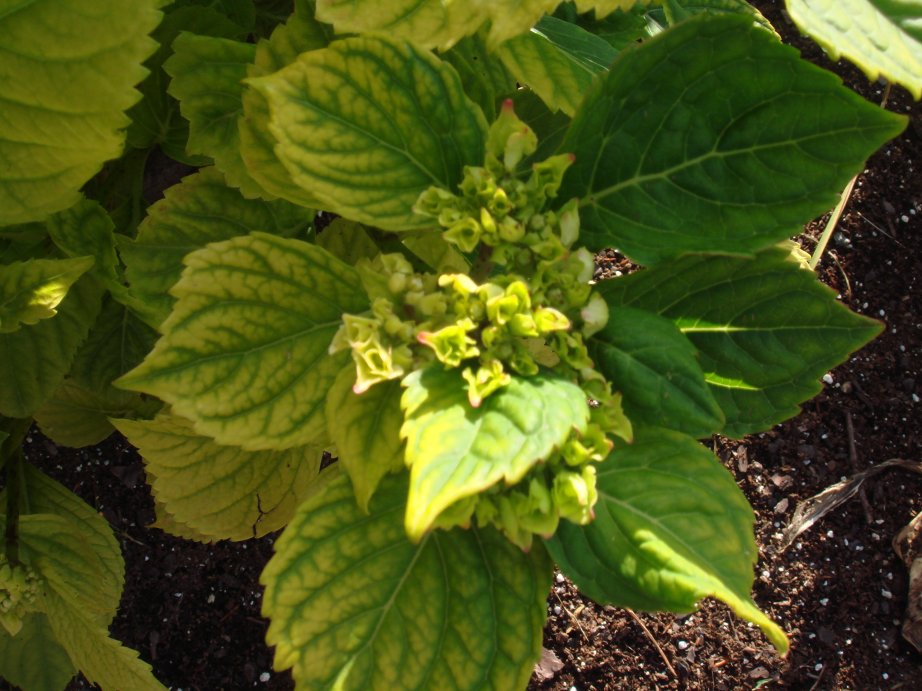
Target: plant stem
<point>11,460</point>
<point>13,487</point>
<point>831,223</point>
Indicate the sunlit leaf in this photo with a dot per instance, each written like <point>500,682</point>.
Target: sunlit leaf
<point>355,605</point>
<point>455,451</point>
<point>671,527</point>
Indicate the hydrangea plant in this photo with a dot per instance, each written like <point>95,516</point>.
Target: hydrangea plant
<point>493,410</point>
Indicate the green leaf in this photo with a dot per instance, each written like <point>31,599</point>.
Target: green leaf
<point>85,229</point>
<point>31,291</point>
<point>76,416</point>
<point>46,496</point>
<point>436,252</point>
<point>366,431</point>
<point>101,659</point>
<point>64,97</point>
<point>244,353</point>
<point>680,10</point>
<point>80,598</point>
<point>369,123</point>
<point>117,343</point>
<point>882,37</point>
<point>484,78</point>
<point>155,120</point>
<point>354,605</point>
<point>199,210</point>
<point>655,367</point>
<point>455,451</point>
<point>207,80</point>
<point>32,659</point>
<point>558,61</point>
<point>766,330</point>
<point>347,240</point>
<point>220,492</point>
<point>257,145</point>
<point>671,527</point>
<point>35,359</point>
<point>696,141</point>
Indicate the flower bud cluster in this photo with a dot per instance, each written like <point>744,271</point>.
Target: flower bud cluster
<point>532,310</point>
<point>20,588</point>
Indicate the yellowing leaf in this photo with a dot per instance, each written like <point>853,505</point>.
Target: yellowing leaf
<point>244,353</point>
<point>220,492</point>
<point>200,209</point>
<point>257,145</point>
<point>101,659</point>
<point>455,451</point>
<point>882,37</point>
<point>367,124</point>
<point>430,23</point>
<point>64,96</point>
<point>355,606</point>
<point>32,290</point>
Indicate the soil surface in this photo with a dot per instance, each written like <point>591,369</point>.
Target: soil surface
<point>192,610</point>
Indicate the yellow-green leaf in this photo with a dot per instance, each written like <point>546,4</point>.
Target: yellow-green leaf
<point>429,23</point>
<point>366,431</point>
<point>200,209</point>
<point>220,492</point>
<point>32,290</point>
<point>455,451</point>
<point>32,659</point>
<point>257,145</point>
<point>882,37</point>
<point>101,659</point>
<point>244,352</point>
<point>369,123</point>
<point>68,70</point>
<point>207,79</point>
<point>354,605</point>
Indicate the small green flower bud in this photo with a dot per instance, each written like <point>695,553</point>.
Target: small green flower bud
<point>432,201</point>
<point>510,139</point>
<point>575,494</point>
<point>465,234</point>
<point>451,344</point>
<point>488,378</point>
<point>478,185</point>
<point>594,315</point>
<point>488,226</point>
<point>499,205</point>
<point>569,223</point>
<point>548,319</point>
<point>547,175</point>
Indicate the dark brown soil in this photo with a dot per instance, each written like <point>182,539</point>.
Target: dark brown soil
<point>193,610</point>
